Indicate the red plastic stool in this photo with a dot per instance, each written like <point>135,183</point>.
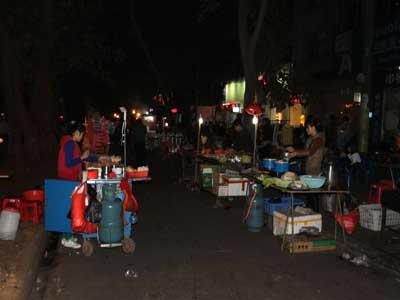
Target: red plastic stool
<point>376,189</point>
<point>32,206</point>
<point>16,202</point>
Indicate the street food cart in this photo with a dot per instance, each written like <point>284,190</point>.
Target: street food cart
<point>59,214</point>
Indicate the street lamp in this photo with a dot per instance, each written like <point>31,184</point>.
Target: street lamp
<point>255,123</point>
<point>201,121</point>
<point>123,137</point>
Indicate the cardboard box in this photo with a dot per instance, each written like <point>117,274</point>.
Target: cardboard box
<point>300,220</point>
<point>237,185</point>
<point>206,175</point>
<point>303,244</point>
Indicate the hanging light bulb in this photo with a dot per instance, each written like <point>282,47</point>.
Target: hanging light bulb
<point>201,121</point>
<point>255,120</point>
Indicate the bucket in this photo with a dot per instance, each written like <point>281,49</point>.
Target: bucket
<point>281,166</point>
<point>269,163</point>
<point>9,219</point>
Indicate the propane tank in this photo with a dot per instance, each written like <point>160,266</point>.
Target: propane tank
<point>111,225</point>
<point>254,209</point>
<point>9,219</point>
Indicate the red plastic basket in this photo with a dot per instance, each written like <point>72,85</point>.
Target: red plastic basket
<point>137,174</point>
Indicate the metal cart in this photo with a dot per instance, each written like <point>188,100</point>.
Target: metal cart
<point>58,204</point>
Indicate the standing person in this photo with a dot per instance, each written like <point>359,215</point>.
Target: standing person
<point>241,139</point>
<point>344,134</point>
<point>314,148</point>
<point>266,136</point>
<point>331,132</point>
<point>70,157</point>
<point>97,138</point>
<point>70,161</point>
<point>139,132</point>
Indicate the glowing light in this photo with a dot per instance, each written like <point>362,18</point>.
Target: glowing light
<point>278,117</point>
<point>149,118</point>
<point>133,111</point>
<point>260,77</point>
<point>61,117</point>
<point>236,109</point>
<point>201,121</point>
<point>302,119</point>
<point>1,140</point>
<point>138,115</point>
<point>166,124</point>
<point>255,120</point>
<point>115,115</point>
<point>174,110</point>
<point>348,105</point>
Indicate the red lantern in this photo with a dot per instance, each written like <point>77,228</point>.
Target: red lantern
<point>254,109</point>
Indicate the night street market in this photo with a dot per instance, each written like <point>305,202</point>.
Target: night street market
<point>206,149</point>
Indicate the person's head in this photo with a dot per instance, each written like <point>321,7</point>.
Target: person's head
<point>313,127</point>
<point>76,131</point>
<point>237,125</point>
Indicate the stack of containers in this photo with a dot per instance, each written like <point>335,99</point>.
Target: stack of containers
<point>274,204</point>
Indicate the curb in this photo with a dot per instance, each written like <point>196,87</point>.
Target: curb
<point>27,266</point>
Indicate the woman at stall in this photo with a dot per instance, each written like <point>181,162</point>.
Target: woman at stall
<point>314,148</point>
<point>206,143</point>
<point>70,157</point>
<point>70,161</point>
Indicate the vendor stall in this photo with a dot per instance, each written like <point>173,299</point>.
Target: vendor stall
<point>101,207</point>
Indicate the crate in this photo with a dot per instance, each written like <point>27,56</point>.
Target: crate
<point>270,207</point>
<point>303,244</point>
<point>371,217</point>
<point>300,221</point>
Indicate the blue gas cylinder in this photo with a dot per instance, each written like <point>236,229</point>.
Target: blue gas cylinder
<point>111,227</point>
<point>254,210</point>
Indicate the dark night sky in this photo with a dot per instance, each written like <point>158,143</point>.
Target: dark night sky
<point>181,48</point>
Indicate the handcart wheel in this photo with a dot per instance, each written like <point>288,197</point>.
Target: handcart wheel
<point>128,245</point>
<point>87,248</point>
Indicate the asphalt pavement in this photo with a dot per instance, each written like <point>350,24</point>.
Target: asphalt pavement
<point>188,250</point>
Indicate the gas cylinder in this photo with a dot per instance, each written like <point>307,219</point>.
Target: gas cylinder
<point>111,225</point>
<point>254,209</point>
<point>9,218</point>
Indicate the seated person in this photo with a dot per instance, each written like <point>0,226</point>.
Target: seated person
<point>206,143</point>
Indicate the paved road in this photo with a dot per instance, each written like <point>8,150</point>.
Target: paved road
<point>188,250</point>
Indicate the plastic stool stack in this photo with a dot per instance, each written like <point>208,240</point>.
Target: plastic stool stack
<point>376,190</point>
<point>32,206</point>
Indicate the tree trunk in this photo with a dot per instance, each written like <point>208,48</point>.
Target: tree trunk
<point>21,128</point>
<point>248,46</point>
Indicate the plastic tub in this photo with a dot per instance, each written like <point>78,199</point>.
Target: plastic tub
<point>313,182</point>
<point>33,195</point>
<point>269,163</point>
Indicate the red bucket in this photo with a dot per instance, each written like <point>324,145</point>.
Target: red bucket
<point>33,195</point>
<point>93,174</point>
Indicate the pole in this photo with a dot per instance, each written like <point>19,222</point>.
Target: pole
<point>255,122</point>
<point>197,151</point>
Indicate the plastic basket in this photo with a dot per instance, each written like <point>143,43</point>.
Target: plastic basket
<point>138,174</point>
<point>371,217</point>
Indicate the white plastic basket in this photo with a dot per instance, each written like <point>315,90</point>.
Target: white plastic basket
<point>371,217</point>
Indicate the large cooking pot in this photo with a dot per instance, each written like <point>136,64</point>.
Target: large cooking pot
<point>269,163</point>
<point>281,166</point>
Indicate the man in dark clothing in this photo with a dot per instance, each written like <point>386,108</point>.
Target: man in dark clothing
<point>241,139</point>
<point>139,132</point>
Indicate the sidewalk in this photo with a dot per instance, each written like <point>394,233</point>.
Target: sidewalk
<point>19,261</point>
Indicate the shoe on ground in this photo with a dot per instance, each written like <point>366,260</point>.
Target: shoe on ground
<point>70,243</point>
